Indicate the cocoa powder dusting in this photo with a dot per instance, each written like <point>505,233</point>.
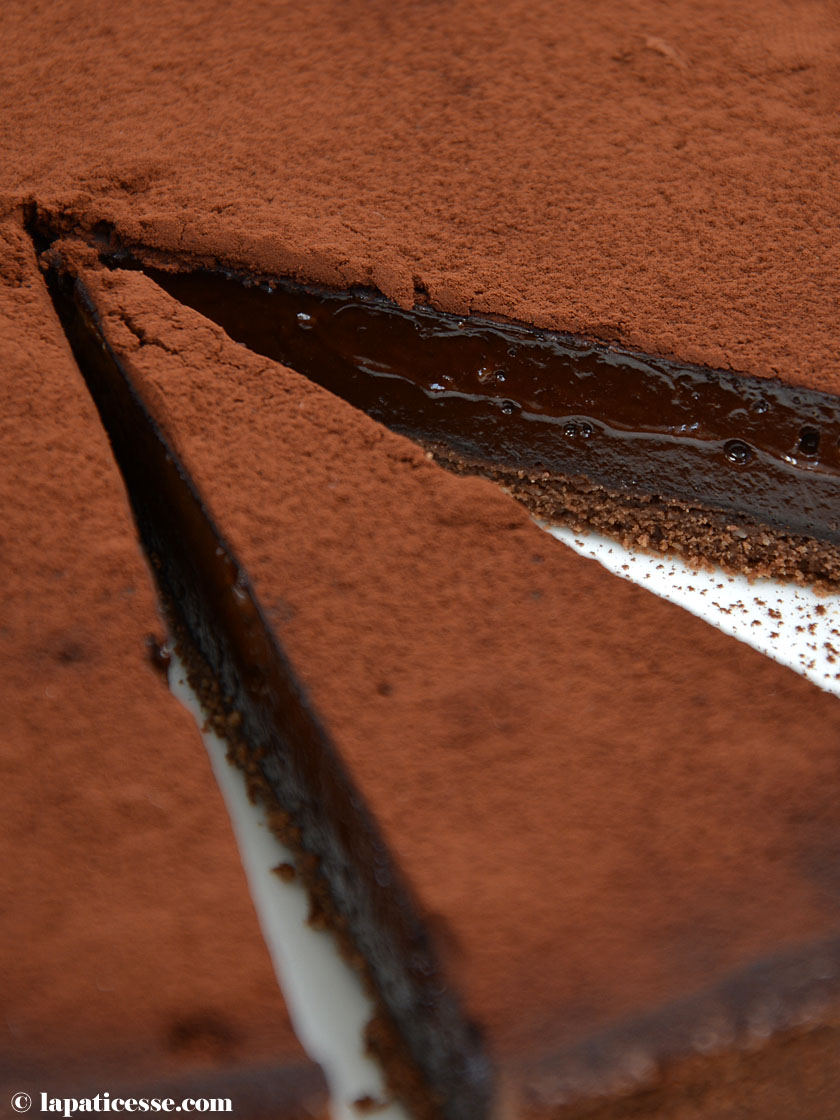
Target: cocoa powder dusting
<point>659,175</point>
<point>132,953</point>
<point>662,175</point>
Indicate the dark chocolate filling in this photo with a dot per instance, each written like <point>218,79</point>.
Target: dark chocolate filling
<point>542,402</point>
<point>201,580</point>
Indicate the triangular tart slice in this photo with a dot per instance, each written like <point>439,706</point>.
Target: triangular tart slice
<point>586,845</point>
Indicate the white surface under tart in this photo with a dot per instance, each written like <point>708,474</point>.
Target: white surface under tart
<point>793,625</point>
<point>326,1001</point>
<point>329,1009</point>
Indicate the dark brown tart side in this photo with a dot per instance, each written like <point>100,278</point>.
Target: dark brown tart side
<point>564,906</point>
<point>743,472</point>
<point>725,468</point>
<point>664,455</point>
<point>133,962</point>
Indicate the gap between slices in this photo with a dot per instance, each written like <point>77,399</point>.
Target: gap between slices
<point>654,452</point>
<point>737,470</point>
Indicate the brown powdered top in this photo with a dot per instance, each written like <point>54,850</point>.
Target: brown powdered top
<point>131,951</point>
<point>604,807</point>
<point>663,175</point>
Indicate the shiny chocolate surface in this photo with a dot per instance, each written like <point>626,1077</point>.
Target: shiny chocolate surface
<point>537,401</point>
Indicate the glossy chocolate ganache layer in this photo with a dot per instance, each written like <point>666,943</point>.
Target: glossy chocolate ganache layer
<point>606,437</point>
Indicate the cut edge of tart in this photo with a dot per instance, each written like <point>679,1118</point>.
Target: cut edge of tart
<point>725,469</point>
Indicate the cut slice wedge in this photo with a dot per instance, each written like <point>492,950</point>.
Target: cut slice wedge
<point>585,845</point>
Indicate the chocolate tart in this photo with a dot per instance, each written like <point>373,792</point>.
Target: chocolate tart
<point>133,963</point>
<point>655,179</point>
<point>560,860</point>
